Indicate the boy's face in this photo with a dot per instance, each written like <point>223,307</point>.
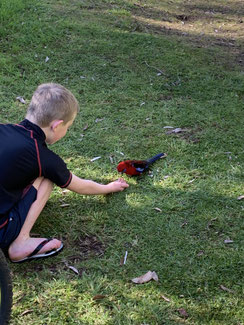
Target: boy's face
<point>60,130</point>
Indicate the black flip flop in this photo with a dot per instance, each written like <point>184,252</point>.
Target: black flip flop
<point>34,254</point>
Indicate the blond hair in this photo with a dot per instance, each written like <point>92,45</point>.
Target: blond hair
<point>52,102</point>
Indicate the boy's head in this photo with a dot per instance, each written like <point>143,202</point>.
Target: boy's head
<point>52,102</point>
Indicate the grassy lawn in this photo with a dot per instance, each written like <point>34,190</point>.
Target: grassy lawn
<point>136,67</point>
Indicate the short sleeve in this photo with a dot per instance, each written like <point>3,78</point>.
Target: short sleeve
<point>55,169</point>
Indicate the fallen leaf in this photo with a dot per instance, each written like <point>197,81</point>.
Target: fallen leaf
<point>95,158</point>
<point>228,241</point>
<point>241,197</point>
<point>146,278</point>
<point>165,298</point>
<point>125,257</point>
<point>183,312</point>
<point>200,253</point>
<point>98,297</point>
<point>85,127</point>
<point>64,192</point>
<point>28,311</point>
<point>185,223</point>
<point>168,127</point>
<point>64,205</point>
<point>99,120</point>
<point>210,223</point>
<point>111,159</point>
<point>135,242</point>
<point>158,209</point>
<point>226,289</point>
<point>21,99</point>
<point>121,153</point>
<point>177,130</point>
<point>47,59</point>
<point>155,276</point>
<point>74,269</point>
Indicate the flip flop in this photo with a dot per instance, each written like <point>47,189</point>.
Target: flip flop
<point>34,254</point>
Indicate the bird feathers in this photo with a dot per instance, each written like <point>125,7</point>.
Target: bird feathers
<point>137,167</point>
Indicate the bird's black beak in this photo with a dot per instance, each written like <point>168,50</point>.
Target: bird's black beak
<point>123,171</point>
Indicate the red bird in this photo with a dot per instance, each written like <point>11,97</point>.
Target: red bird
<point>137,167</point>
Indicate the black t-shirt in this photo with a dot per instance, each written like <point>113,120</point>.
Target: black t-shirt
<point>24,156</point>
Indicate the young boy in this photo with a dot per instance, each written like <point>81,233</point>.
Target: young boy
<point>28,170</point>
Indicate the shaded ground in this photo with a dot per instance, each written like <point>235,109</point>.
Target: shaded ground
<point>203,23</point>
<point>218,24</point>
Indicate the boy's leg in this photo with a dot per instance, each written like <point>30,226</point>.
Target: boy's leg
<point>24,245</point>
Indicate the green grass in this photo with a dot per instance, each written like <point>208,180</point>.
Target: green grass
<point>109,54</point>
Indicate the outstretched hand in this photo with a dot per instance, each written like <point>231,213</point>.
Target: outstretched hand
<point>118,185</point>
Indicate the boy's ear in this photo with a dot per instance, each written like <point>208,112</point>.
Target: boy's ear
<point>55,124</point>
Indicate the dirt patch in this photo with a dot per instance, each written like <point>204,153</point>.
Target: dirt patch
<point>189,135</point>
<point>89,246</point>
<point>202,24</point>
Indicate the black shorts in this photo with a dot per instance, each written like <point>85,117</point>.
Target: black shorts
<point>16,218</point>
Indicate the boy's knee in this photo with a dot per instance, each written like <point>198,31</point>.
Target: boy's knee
<point>38,182</point>
<point>42,181</point>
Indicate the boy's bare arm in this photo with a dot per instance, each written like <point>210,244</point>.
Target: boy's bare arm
<point>87,187</point>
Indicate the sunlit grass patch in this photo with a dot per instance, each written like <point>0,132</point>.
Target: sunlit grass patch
<point>136,68</point>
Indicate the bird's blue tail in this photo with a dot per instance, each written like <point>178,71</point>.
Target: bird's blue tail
<point>154,158</point>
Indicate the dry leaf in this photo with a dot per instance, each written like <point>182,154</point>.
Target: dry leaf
<point>64,205</point>
<point>210,223</point>
<point>98,297</point>
<point>146,278</point>
<point>21,99</point>
<point>182,312</point>
<point>99,120</point>
<point>200,253</point>
<point>122,154</point>
<point>28,311</point>
<point>85,127</point>
<point>74,269</point>
<point>125,258</point>
<point>168,127</point>
<point>155,276</point>
<point>226,289</point>
<point>95,158</point>
<point>228,241</point>
<point>241,197</point>
<point>185,223</point>
<point>111,159</point>
<point>47,59</point>
<point>176,130</point>
<point>158,209</point>
<point>135,242</point>
<point>165,298</point>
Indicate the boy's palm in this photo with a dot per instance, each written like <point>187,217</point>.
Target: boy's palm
<point>118,185</point>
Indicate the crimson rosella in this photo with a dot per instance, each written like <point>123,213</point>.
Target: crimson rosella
<point>137,167</point>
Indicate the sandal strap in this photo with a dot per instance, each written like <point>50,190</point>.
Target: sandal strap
<point>40,246</point>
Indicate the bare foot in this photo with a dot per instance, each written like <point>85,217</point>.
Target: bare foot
<point>20,249</point>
